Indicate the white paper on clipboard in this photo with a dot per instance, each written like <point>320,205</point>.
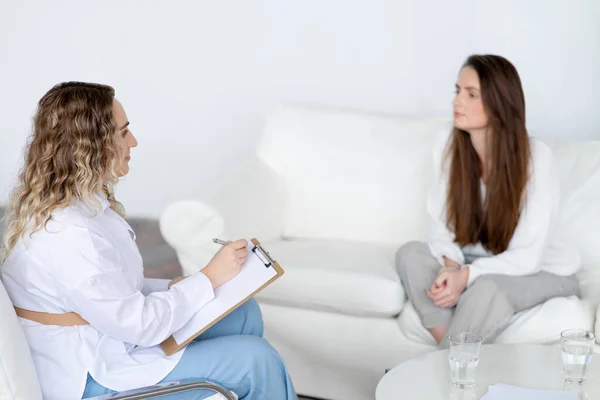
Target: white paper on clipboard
<point>253,275</point>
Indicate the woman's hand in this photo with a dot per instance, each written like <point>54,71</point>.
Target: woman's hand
<point>227,263</point>
<point>448,286</point>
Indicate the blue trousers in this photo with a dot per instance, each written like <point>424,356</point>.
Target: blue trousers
<point>233,354</point>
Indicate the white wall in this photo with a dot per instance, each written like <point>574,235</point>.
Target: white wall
<point>196,77</point>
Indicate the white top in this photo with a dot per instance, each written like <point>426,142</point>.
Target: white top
<point>535,245</point>
<point>91,265</point>
<point>528,366</point>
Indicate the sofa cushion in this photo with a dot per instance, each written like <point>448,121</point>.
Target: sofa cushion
<point>579,217</point>
<point>346,277</point>
<point>351,175</point>
<point>542,324</point>
<point>18,379</point>
<point>589,284</point>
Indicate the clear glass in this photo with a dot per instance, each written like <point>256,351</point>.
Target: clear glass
<point>577,348</point>
<point>457,393</point>
<point>580,389</point>
<point>463,356</point>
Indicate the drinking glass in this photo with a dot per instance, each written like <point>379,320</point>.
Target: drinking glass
<point>577,348</point>
<point>463,356</point>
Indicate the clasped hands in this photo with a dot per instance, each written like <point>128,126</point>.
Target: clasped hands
<point>449,284</point>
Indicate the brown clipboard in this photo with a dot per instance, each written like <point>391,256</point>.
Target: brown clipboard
<point>170,345</point>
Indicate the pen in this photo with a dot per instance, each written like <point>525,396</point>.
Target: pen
<point>221,242</point>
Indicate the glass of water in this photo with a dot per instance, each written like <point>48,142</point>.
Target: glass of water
<point>577,348</point>
<point>463,355</point>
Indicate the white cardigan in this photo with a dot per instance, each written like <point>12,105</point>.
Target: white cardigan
<point>91,265</point>
<point>535,245</point>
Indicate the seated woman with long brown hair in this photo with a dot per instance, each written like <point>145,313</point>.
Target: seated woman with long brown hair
<point>493,250</point>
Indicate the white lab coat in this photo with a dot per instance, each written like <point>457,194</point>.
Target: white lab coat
<point>90,264</point>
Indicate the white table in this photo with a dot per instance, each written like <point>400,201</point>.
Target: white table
<point>532,366</point>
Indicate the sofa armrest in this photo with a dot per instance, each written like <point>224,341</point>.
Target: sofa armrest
<point>163,389</point>
<point>247,202</point>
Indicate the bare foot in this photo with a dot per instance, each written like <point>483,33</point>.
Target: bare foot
<point>438,333</point>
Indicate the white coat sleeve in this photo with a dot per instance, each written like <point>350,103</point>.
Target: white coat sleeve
<point>152,285</point>
<point>111,302</point>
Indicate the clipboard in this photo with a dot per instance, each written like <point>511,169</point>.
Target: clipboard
<point>258,272</point>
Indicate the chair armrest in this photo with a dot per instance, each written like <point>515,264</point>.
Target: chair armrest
<point>247,202</point>
<point>163,389</point>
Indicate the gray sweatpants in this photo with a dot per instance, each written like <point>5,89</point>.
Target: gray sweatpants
<point>486,307</point>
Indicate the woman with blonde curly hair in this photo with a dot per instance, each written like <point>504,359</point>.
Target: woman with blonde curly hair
<point>75,276</point>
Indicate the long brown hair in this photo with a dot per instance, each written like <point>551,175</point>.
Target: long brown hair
<point>492,222</point>
<point>71,155</point>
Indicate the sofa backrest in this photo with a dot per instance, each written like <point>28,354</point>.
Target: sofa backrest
<point>18,379</point>
<point>351,175</point>
<point>579,218</point>
<point>361,176</point>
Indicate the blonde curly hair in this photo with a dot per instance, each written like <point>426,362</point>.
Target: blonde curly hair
<point>71,155</point>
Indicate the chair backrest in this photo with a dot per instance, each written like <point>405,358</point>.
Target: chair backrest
<point>18,379</point>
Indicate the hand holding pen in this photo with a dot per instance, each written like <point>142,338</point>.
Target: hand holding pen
<point>227,262</point>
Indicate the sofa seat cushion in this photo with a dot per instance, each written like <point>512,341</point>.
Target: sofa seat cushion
<point>346,277</point>
<point>541,324</point>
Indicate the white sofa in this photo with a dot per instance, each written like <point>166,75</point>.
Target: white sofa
<point>332,194</point>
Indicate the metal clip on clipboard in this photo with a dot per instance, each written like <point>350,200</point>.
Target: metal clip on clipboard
<point>263,255</point>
